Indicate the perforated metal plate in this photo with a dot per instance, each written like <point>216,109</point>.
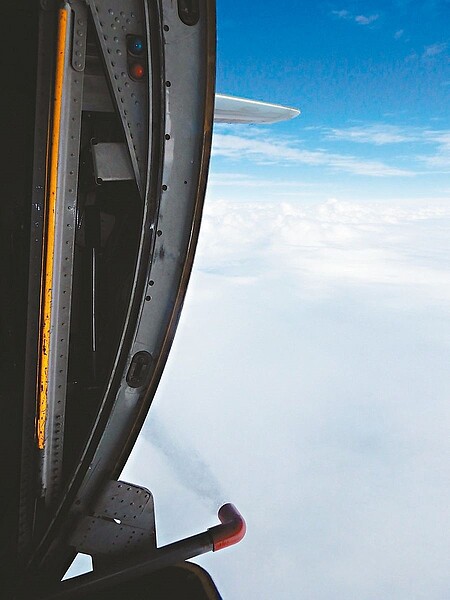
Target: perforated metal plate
<point>122,521</point>
<point>114,21</point>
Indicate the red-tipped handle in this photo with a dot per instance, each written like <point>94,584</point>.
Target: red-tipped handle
<point>231,531</point>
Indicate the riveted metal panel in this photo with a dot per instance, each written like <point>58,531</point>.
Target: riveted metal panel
<point>114,21</point>
<point>122,521</point>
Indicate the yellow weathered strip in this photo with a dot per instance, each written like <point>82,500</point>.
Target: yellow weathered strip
<point>49,238</point>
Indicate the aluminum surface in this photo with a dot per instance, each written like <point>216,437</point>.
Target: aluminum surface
<point>111,162</point>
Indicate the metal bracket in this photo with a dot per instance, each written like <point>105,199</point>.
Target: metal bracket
<point>122,522</point>
<point>111,162</point>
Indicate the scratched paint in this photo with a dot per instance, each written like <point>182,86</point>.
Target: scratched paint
<point>46,287</point>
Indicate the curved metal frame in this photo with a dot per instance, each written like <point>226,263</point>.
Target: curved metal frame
<point>177,173</point>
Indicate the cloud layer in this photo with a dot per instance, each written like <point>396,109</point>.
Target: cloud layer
<point>422,151</point>
<point>264,149</point>
<point>310,374</point>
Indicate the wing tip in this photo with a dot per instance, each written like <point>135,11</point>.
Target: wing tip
<point>231,109</point>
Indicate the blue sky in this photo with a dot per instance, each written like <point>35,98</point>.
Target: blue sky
<point>309,382</point>
<point>373,83</point>
<point>341,62</point>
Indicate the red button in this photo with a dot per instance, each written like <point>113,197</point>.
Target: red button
<point>137,71</point>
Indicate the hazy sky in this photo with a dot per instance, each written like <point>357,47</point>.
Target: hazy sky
<point>309,381</point>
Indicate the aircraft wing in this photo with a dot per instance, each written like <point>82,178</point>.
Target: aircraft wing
<point>230,109</point>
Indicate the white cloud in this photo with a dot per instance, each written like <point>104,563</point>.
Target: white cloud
<point>398,34</point>
<point>366,20</point>
<point>378,134</point>
<point>331,243</point>
<point>440,160</point>
<point>310,374</point>
<point>382,133</point>
<point>428,150</point>
<point>262,148</point>
<point>231,179</point>
<point>437,141</point>
<point>341,14</point>
<point>360,19</point>
<point>434,49</point>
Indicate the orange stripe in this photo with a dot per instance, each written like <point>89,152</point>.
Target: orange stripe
<point>49,248</point>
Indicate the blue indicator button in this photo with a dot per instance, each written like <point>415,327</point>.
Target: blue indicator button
<point>135,45</point>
